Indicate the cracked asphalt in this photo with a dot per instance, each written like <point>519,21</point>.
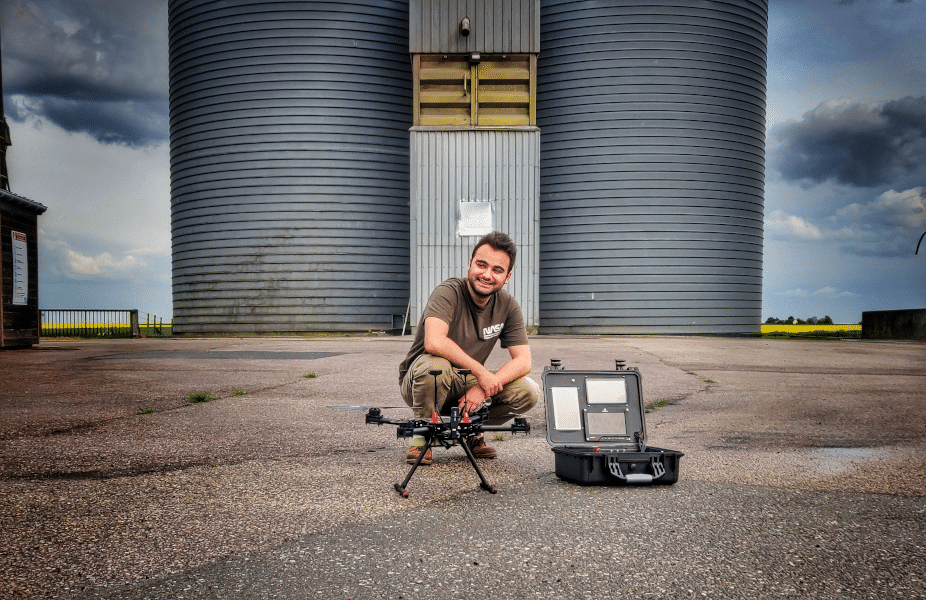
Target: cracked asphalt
<point>804,475</point>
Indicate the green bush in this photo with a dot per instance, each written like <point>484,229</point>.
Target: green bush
<point>198,397</point>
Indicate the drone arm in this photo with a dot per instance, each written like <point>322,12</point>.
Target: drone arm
<point>409,429</point>
<point>375,417</point>
<point>520,425</point>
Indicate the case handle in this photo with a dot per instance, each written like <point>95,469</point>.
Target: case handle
<point>657,467</point>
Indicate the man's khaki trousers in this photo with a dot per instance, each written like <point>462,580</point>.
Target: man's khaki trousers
<point>417,389</point>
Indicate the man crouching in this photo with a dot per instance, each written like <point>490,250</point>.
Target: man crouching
<point>458,328</point>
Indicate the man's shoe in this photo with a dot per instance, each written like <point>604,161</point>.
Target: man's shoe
<point>479,449</point>
<point>412,455</point>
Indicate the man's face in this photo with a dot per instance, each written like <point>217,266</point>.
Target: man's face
<point>488,271</point>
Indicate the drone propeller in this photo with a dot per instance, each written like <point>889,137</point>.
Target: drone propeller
<point>361,407</point>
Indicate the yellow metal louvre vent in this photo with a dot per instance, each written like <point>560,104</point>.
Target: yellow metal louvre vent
<point>475,91</point>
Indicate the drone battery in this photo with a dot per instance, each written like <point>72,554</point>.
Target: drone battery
<point>596,427</point>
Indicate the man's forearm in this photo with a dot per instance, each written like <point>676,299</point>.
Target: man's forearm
<point>514,368</point>
<point>511,370</point>
<point>447,348</point>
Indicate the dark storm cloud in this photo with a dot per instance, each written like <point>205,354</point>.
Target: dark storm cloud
<point>855,143</point>
<point>127,122</point>
<point>93,66</point>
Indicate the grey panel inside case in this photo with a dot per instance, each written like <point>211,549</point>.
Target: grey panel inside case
<point>606,391</point>
<point>566,414</point>
<point>602,424</point>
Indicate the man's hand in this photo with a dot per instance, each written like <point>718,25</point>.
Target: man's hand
<point>472,400</point>
<point>489,382</point>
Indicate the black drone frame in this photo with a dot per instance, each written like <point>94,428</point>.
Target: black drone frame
<point>458,429</point>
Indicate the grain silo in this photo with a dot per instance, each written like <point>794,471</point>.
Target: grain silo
<point>652,166</point>
<point>289,164</point>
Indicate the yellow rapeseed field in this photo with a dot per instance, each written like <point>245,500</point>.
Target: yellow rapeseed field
<point>806,328</point>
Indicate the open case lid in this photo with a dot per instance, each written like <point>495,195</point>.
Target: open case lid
<point>600,409</point>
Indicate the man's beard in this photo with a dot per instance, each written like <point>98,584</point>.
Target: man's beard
<point>474,291</point>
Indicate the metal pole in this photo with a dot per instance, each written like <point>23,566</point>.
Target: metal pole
<point>135,332</point>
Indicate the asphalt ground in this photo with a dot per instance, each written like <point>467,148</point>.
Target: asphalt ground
<point>804,475</point>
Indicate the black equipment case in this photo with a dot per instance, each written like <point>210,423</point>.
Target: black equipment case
<point>596,427</point>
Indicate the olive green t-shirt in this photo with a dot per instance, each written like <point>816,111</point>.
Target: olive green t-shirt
<point>475,330</point>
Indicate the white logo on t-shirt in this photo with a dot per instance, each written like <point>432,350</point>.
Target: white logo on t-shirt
<point>492,331</point>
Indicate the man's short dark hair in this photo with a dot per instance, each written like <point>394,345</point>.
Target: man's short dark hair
<point>498,241</point>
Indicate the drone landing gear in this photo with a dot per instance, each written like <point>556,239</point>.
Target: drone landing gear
<point>482,478</point>
<point>459,429</point>
<point>400,487</point>
<point>484,483</point>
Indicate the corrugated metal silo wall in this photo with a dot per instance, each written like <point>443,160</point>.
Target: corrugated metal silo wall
<point>497,26</point>
<point>453,166</point>
<point>289,164</point>
<point>652,166</point>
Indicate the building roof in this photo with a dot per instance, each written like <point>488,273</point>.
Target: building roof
<point>23,202</point>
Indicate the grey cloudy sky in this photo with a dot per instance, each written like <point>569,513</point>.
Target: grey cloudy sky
<point>846,158</point>
<point>85,93</point>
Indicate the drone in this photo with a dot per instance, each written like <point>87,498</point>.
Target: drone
<point>458,429</point>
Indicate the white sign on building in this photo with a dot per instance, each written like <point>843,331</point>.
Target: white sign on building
<point>20,270</point>
<point>475,218</point>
